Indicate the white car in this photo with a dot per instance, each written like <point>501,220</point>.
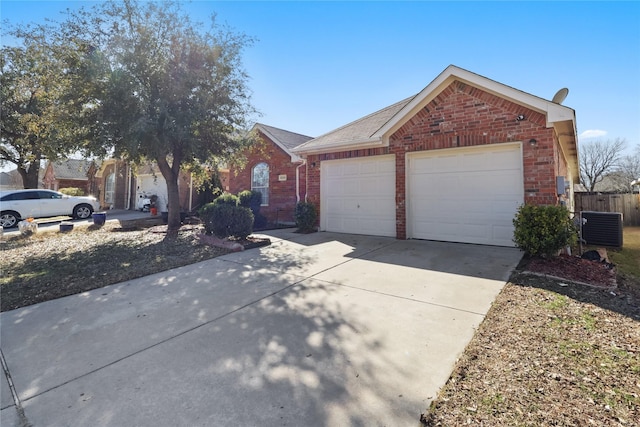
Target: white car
<point>38,203</point>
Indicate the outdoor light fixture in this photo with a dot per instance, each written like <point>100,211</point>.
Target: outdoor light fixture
<point>520,117</point>
<point>533,142</point>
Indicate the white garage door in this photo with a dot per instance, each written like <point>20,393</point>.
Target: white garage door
<point>358,196</point>
<point>465,195</point>
<point>149,185</point>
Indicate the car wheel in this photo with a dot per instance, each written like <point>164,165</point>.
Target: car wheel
<point>9,219</point>
<point>82,211</point>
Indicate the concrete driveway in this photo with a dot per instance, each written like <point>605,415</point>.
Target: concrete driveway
<point>317,330</point>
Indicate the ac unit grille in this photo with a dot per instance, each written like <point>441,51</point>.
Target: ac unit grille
<point>602,228</point>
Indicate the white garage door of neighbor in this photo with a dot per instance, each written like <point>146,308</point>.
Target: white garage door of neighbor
<point>465,195</point>
<point>358,196</point>
<point>150,185</point>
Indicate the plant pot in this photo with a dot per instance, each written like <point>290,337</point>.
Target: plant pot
<point>99,218</point>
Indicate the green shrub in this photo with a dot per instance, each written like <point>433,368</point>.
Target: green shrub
<point>226,220</point>
<point>227,199</point>
<point>244,198</point>
<point>251,199</point>
<point>543,230</point>
<point>306,216</point>
<point>72,191</point>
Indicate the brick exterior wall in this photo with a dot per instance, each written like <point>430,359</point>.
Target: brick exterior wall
<point>120,170</point>
<point>282,194</point>
<point>463,116</point>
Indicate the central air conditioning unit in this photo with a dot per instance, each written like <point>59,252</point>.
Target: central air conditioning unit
<point>602,228</point>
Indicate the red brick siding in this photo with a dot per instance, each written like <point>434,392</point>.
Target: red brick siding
<point>282,194</point>
<point>464,116</point>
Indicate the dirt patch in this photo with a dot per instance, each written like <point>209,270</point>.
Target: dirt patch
<point>52,265</point>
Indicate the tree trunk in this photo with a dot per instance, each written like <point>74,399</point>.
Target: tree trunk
<point>170,174</point>
<point>30,176</point>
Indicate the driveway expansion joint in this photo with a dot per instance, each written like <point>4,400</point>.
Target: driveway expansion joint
<point>14,394</point>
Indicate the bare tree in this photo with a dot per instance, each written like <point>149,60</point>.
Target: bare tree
<point>628,170</point>
<point>598,159</point>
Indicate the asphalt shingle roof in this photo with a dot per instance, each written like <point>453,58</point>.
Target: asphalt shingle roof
<point>71,169</point>
<point>358,130</point>
<point>287,139</point>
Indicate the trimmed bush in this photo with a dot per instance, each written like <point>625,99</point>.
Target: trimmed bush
<point>72,191</point>
<point>227,199</point>
<point>306,216</point>
<point>543,230</point>
<point>226,220</point>
<point>251,199</point>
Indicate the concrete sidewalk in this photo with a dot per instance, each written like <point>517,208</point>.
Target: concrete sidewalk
<point>320,330</point>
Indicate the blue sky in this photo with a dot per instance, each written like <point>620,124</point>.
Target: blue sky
<point>318,65</point>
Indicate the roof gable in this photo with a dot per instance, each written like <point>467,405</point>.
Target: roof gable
<point>375,129</point>
<point>553,112</point>
<point>284,139</point>
<point>71,169</point>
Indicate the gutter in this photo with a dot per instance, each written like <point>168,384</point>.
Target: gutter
<point>304,162</point>
<point>343,146</point>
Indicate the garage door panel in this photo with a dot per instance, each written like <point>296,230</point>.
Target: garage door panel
<point>358,195</point>
<point>466,195</point>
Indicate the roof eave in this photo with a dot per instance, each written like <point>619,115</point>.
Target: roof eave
<point>294,157</point>
<point>341,146</point>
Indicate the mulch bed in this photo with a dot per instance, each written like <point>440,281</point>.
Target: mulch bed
<point>574,269</point>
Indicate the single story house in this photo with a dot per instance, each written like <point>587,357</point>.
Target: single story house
<point>273,169</point>
<point>69,173</point>
<point>452,163</point>
<point>119,186</point>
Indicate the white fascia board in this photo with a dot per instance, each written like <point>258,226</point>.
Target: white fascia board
<point>554,112</point>
<point>294,157</point>
<point>341,146</point>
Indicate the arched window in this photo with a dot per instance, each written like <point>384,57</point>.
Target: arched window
<point>260,181</point>
<point>109,188</point>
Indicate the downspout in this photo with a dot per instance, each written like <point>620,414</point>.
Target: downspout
<point>298,182</point>
<point>190,191</point>
<point>128,187</point>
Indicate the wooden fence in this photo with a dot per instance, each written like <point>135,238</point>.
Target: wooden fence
<point>627,204</point>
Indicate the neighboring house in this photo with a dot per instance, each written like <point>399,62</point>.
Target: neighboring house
<point>121,187</point>
<point>149,181</point>
<point>69,173</point>
<point>114,185</point>
<point>13,181</point>
<point>10,180</point>
<point>452,163</point>
<point>273,169</point>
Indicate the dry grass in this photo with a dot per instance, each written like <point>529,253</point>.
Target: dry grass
<point>51,265</point>
<point>628,258</point>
